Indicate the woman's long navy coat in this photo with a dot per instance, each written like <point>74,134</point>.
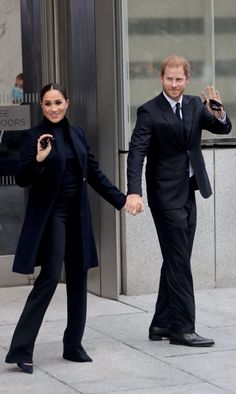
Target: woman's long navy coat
<point>45,180</point>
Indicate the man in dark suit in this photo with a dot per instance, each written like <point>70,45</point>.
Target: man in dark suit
<point>169,135</point>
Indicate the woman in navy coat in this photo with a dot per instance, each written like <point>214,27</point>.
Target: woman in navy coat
<point>57,165</point>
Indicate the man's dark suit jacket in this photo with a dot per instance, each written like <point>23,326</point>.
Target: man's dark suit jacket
<point>159,136</point>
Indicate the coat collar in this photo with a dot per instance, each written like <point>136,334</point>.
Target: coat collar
<point>50,126</point>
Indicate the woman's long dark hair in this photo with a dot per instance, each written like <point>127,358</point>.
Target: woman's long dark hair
<point>53,86</point>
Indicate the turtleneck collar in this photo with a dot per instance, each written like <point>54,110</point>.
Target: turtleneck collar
<point>63,124</point>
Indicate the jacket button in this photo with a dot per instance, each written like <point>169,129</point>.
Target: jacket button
<point>84,179</point>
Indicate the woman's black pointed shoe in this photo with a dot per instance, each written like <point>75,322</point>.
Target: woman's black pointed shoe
<point>79,355</point>
<point>25,367</point>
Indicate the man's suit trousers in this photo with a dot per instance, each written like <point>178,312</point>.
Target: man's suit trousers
<point>175,306</point>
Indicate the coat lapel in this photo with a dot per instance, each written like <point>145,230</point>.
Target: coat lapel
<point>57,161</point>
<point>80,149</point>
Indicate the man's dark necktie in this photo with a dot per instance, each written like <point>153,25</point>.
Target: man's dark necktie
<point>177,111</point>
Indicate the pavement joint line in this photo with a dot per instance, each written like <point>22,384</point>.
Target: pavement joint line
<point>13,301</point>
<point>45,321</point>
<point>115,314</point>
<point>214,351</point>
<point>192,354</point>
<point>169,386</point>
<point>224,326</point>
<point>58,380</point>
<point>133,306</point>
<point>202,380</point>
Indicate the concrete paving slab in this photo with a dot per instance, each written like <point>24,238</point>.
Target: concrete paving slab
<point>98,306</point>
<point>53,331</point>
<point>13,299</point>
<point>146,302</point>
<point>218,368</point>
<point>13,381</point>
<point>115,367</point>
<point>210,302</point>
<point>125,361</point>
<point>133,331</point>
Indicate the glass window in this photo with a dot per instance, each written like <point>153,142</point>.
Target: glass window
<point>225,54</point>
<point>12,120</point>
<point>202,31</point>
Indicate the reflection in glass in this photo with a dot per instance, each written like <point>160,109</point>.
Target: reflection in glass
<point>203,33</point>
<point>11,214</point>
<point>17,93</point>
<point>9,156</point>
<point>11,94</point>
<point>225,54</point>
<point>11,196</point>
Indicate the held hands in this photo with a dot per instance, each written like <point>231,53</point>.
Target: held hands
<point>44,146</point>
<point>134,204</point>
<point>209,96</point>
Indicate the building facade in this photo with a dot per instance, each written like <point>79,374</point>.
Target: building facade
<point>106,53</point>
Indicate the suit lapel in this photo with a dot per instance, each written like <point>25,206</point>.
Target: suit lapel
<point>171,118</point>
<point>188,117</point>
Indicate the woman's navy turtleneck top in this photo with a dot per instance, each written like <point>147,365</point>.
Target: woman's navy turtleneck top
<point>73,175</point>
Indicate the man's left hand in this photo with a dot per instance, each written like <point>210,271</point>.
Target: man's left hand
<point>212,93</point>
<point>134,204</point>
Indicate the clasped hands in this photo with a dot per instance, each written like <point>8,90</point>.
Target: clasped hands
<point>134,204</point>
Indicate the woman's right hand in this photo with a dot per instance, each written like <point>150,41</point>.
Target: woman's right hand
<point>134,204</point>
<point>43,152</point>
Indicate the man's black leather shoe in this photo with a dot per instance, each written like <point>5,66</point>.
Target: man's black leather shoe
<point>157,333</point>
<point>190,339</point>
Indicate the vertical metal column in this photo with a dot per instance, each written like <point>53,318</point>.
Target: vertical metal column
<point>105,22</point>
<point>74,42</point>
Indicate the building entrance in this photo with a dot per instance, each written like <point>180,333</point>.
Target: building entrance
<point>14,116</point>
<point>44,41</point>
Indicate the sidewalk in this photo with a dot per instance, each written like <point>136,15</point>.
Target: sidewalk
<point>124,360</point>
